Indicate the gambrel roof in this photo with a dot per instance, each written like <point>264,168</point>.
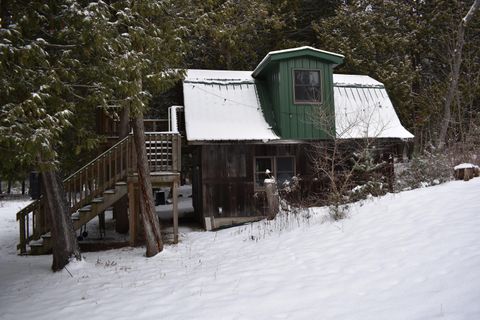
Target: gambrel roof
<point>224,106</point>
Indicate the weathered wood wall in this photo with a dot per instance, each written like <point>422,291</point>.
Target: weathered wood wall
<point>223,177</point>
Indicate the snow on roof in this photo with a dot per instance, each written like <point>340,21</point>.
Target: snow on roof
<point>354,80</point>
<point>277,52</point>
<point>363,109</point>
<point>223,106</point>
<point>465,166</point>
<point>198,75</point>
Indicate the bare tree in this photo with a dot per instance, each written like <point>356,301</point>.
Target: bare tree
<point>455,74</point>
<point>348,157</point>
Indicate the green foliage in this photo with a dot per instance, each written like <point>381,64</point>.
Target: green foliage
<point>35,105</point>
<point>425,169</point>
<point>233,35</point>
<point>377,39</point>
<point>408,46</point>
<point>63,60</point>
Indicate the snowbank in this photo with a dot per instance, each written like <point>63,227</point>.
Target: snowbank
<point>413,255</point>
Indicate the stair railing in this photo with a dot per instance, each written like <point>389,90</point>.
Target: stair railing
<point>99,175</point>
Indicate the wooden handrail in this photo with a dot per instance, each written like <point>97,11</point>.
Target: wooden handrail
<point>101,174</point>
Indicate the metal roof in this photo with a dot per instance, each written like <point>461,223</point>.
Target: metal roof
<point>223,105</point>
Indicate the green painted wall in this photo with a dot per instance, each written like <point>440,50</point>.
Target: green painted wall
<point>290,120</point>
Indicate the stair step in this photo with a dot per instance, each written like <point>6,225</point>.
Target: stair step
<point>87,208</point>
<point>36,244</point>
<point>121,183</point>
<point>39,248</point>
<point>98,200</point>
<point>109,191</point>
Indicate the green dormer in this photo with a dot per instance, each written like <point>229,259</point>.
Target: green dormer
<point>292,85</point>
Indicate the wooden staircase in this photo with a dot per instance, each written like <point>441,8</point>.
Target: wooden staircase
<point>97,186</point>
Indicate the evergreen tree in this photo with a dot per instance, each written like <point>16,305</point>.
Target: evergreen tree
<point>132,49</point>
<point>35,105</point>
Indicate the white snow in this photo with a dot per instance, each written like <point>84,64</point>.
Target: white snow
<point>271,53</point>
<point>223,105</point>
<point>465,166</point>
<point>364,110</point>
<point>340,80</point>
<point>413,255</point>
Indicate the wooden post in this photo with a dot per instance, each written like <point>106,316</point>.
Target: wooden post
<point>120,207</point>
<point>175,210</point>
<point>23,243</point>
<point>273,200</point>
<point>133,213</point>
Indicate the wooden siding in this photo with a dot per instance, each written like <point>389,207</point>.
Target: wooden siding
<point>290,120</point>
<point>227,177</point>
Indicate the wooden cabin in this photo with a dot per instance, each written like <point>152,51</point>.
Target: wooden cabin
<point>241,123</point>
<point>236,126</point>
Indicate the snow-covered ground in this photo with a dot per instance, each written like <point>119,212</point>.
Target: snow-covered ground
<point>413,255</point>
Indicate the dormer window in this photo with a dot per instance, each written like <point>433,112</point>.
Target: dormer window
<point>307,87</point>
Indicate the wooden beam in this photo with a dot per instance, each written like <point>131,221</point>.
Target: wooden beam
<point>132,217</point>
<point>175,210</point>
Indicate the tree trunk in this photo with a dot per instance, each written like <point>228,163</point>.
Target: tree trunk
<point>64,240</point>
<point>153,236</point>
<point>9,186</point>
<point>120,207</point>
<point>456,63</point>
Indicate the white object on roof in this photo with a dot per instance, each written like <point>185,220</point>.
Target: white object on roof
<point>223,106</point>
<point>465,166</point>
<point>364,110</point>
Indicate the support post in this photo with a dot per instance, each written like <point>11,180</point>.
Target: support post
<point>132,217</point>
<point>175,210</point>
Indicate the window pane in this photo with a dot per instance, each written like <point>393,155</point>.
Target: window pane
<point>285,169</point>
<point>285,164</point>
<point>314,77</point>
<point>307,86</point>
<point>261,165</point>
<point>301,77</point>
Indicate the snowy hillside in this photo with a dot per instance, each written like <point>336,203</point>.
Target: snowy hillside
<point>413,255</point>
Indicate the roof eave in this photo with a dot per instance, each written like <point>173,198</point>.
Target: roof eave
<point>332,58</point>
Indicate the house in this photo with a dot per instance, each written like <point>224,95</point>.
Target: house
<point>239,125</point>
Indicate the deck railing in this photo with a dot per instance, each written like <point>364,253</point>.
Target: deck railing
<point>99,175</point>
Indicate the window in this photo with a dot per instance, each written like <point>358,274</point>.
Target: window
<point>282,168</point>
<point>261,166</point>
<point>285,169</point>
<point>307,86</point>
